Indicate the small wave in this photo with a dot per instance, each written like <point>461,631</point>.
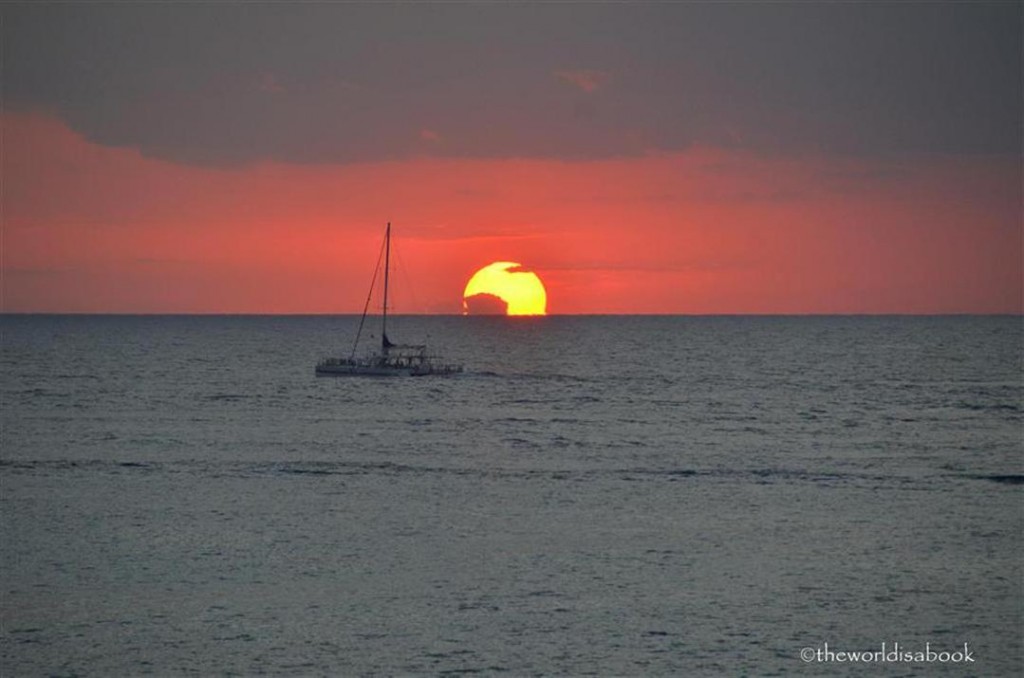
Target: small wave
<point>1005,479</point>
<point>482,373</point>
<point>78,465</point>
<point>544,593</point>
<point>41,393</point>
<point>992,407</point>
<point>473,670</point>
<point>308,471</point>
<point>657,474</point>
<point>544,377</point>
<point>522,442</point>
<point>636,474</point>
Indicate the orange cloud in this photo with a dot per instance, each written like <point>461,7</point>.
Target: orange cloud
<point>268,82</point>
<point>430,136</point>
<point>587,81</point>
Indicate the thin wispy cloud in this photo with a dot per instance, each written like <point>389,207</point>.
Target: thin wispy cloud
<point>269,83</point>
<point>430,136</point>
<point>584,80</point>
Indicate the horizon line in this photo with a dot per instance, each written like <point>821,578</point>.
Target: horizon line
<point>798,314</point>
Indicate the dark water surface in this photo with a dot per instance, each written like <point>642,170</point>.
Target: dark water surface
<point>608,496</point>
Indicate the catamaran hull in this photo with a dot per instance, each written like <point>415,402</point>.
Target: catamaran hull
<point>359,371</point>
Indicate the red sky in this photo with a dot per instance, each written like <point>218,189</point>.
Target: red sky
<point>89,228</point>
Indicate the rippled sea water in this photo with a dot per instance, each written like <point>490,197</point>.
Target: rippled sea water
<point>594,496</point>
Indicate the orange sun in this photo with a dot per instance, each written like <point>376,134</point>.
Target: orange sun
<point>504,288</point>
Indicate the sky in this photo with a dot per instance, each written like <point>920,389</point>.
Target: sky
<point>703,158</point>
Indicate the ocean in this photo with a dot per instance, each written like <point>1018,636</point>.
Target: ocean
<point>610,496</point>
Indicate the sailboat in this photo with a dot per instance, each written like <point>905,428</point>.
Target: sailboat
<point>393,360</point>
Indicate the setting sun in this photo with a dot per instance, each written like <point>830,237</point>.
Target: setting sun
<point>504,288</point>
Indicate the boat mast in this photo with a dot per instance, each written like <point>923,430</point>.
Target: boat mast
<point>387,267</point>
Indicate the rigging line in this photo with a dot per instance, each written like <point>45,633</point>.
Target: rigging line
<point>366,307</point>
<point>402,269</point>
